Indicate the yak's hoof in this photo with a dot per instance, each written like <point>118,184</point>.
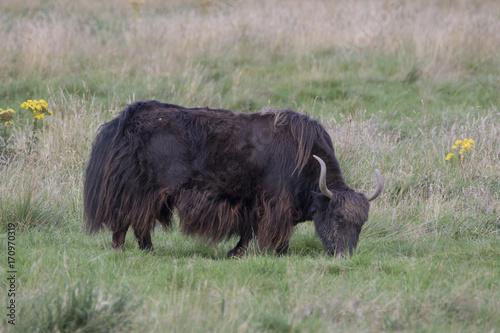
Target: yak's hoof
<point>282,254</point>
<point>118,247</point>
<point>236,253</point>
<point>149,248</point>
<point>282,250</point>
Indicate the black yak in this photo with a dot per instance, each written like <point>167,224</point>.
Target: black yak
<point>225,174</point>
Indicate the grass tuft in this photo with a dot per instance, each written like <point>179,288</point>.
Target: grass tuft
<point>80,307</point>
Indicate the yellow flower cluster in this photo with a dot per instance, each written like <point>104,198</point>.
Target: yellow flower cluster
<point>464,147</point>
<point>6,117</point>
<point>38,108</point>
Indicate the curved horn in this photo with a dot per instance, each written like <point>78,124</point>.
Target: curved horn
<point>322,178</point>
<point>380,186</point>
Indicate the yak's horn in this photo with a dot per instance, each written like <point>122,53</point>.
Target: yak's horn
<point>380,186</point>
<point>322,178</point>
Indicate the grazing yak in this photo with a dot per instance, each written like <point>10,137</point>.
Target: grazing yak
<point>225,174</point>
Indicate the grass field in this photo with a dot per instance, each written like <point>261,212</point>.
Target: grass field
<point>395,82</point>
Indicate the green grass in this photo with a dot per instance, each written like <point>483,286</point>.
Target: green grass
<point>428,257</point>
<point>432,283</point>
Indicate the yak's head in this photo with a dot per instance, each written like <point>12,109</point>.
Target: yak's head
<point>339,215</point>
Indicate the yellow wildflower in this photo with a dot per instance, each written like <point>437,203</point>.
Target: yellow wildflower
<point>38,108</point>
<point>6,117</point>
<point>464,146</point>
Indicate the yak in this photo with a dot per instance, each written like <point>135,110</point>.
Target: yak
<point>225,174</point>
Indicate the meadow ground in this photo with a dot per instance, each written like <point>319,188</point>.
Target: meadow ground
<point>395,82</point>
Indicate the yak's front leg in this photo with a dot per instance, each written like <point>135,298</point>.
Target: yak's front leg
<point>282,249</point>
<point>144,240</point>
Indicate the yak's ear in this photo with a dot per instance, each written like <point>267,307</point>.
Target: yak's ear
<point>319,199</point>
<point>316,195</point>
<point>319,203</point>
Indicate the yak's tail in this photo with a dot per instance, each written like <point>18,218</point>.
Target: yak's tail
<point>118,187</point>
<point>101,153</point>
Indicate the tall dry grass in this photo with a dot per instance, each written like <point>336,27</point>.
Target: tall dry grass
<point>443,37</point>
<point>41,176</point>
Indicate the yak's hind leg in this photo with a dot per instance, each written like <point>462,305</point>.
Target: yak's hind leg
<point>119,238</point>
<point>143,232</point>
<point>144,237</point>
